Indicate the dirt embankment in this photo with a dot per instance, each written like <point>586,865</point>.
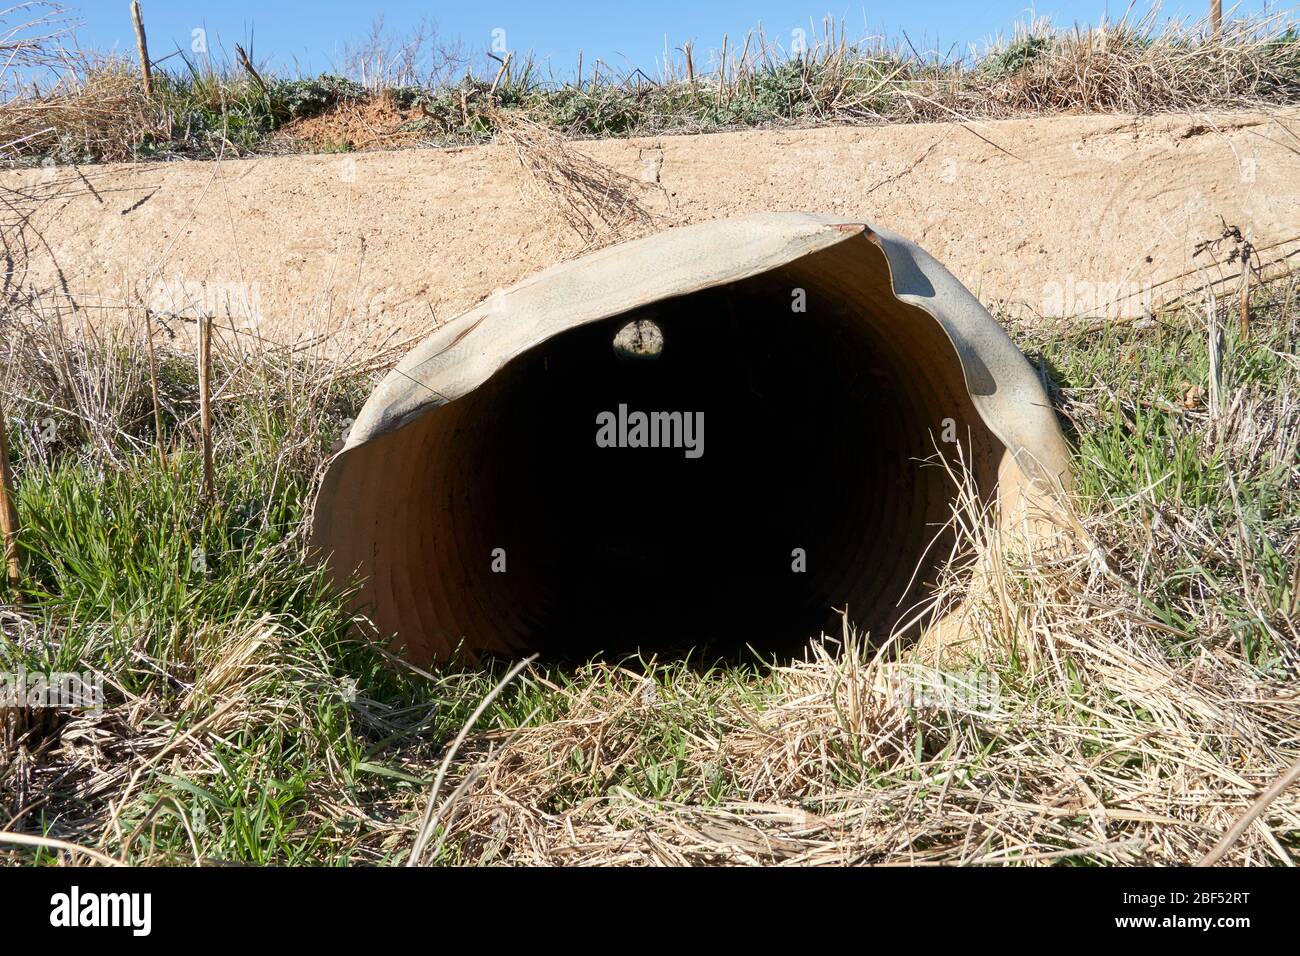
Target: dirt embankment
<point>1088,215</point>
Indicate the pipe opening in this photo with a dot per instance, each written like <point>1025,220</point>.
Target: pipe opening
<point>639,339</point>
<point>791,482</point>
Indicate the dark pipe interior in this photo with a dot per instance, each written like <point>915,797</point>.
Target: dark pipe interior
<point>815,425</point>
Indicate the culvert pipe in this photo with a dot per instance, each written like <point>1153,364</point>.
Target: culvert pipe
<point>719,436</point>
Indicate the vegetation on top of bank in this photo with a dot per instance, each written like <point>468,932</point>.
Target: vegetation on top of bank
<point>68,105</point>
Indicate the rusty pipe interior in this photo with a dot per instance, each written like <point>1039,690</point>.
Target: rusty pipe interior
<point>502,526</point>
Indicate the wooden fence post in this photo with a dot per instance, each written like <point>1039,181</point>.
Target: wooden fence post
<point>142,47</point>
<point>8,512</point>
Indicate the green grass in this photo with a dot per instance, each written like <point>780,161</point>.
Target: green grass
<point>210,111</point>
<point>1147,451</point>
<point>261,728</point>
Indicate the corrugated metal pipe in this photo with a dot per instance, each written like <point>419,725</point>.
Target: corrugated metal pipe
<point>713,437</point>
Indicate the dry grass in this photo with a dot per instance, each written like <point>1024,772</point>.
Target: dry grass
<point>1130,66</point>
<point>100,113</point>
<point>76,102</point>
<point>1103,747</point>
<point>1137,676</point>
<point>599,203</point>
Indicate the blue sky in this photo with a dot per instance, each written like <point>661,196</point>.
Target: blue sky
<point>312,34</point>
